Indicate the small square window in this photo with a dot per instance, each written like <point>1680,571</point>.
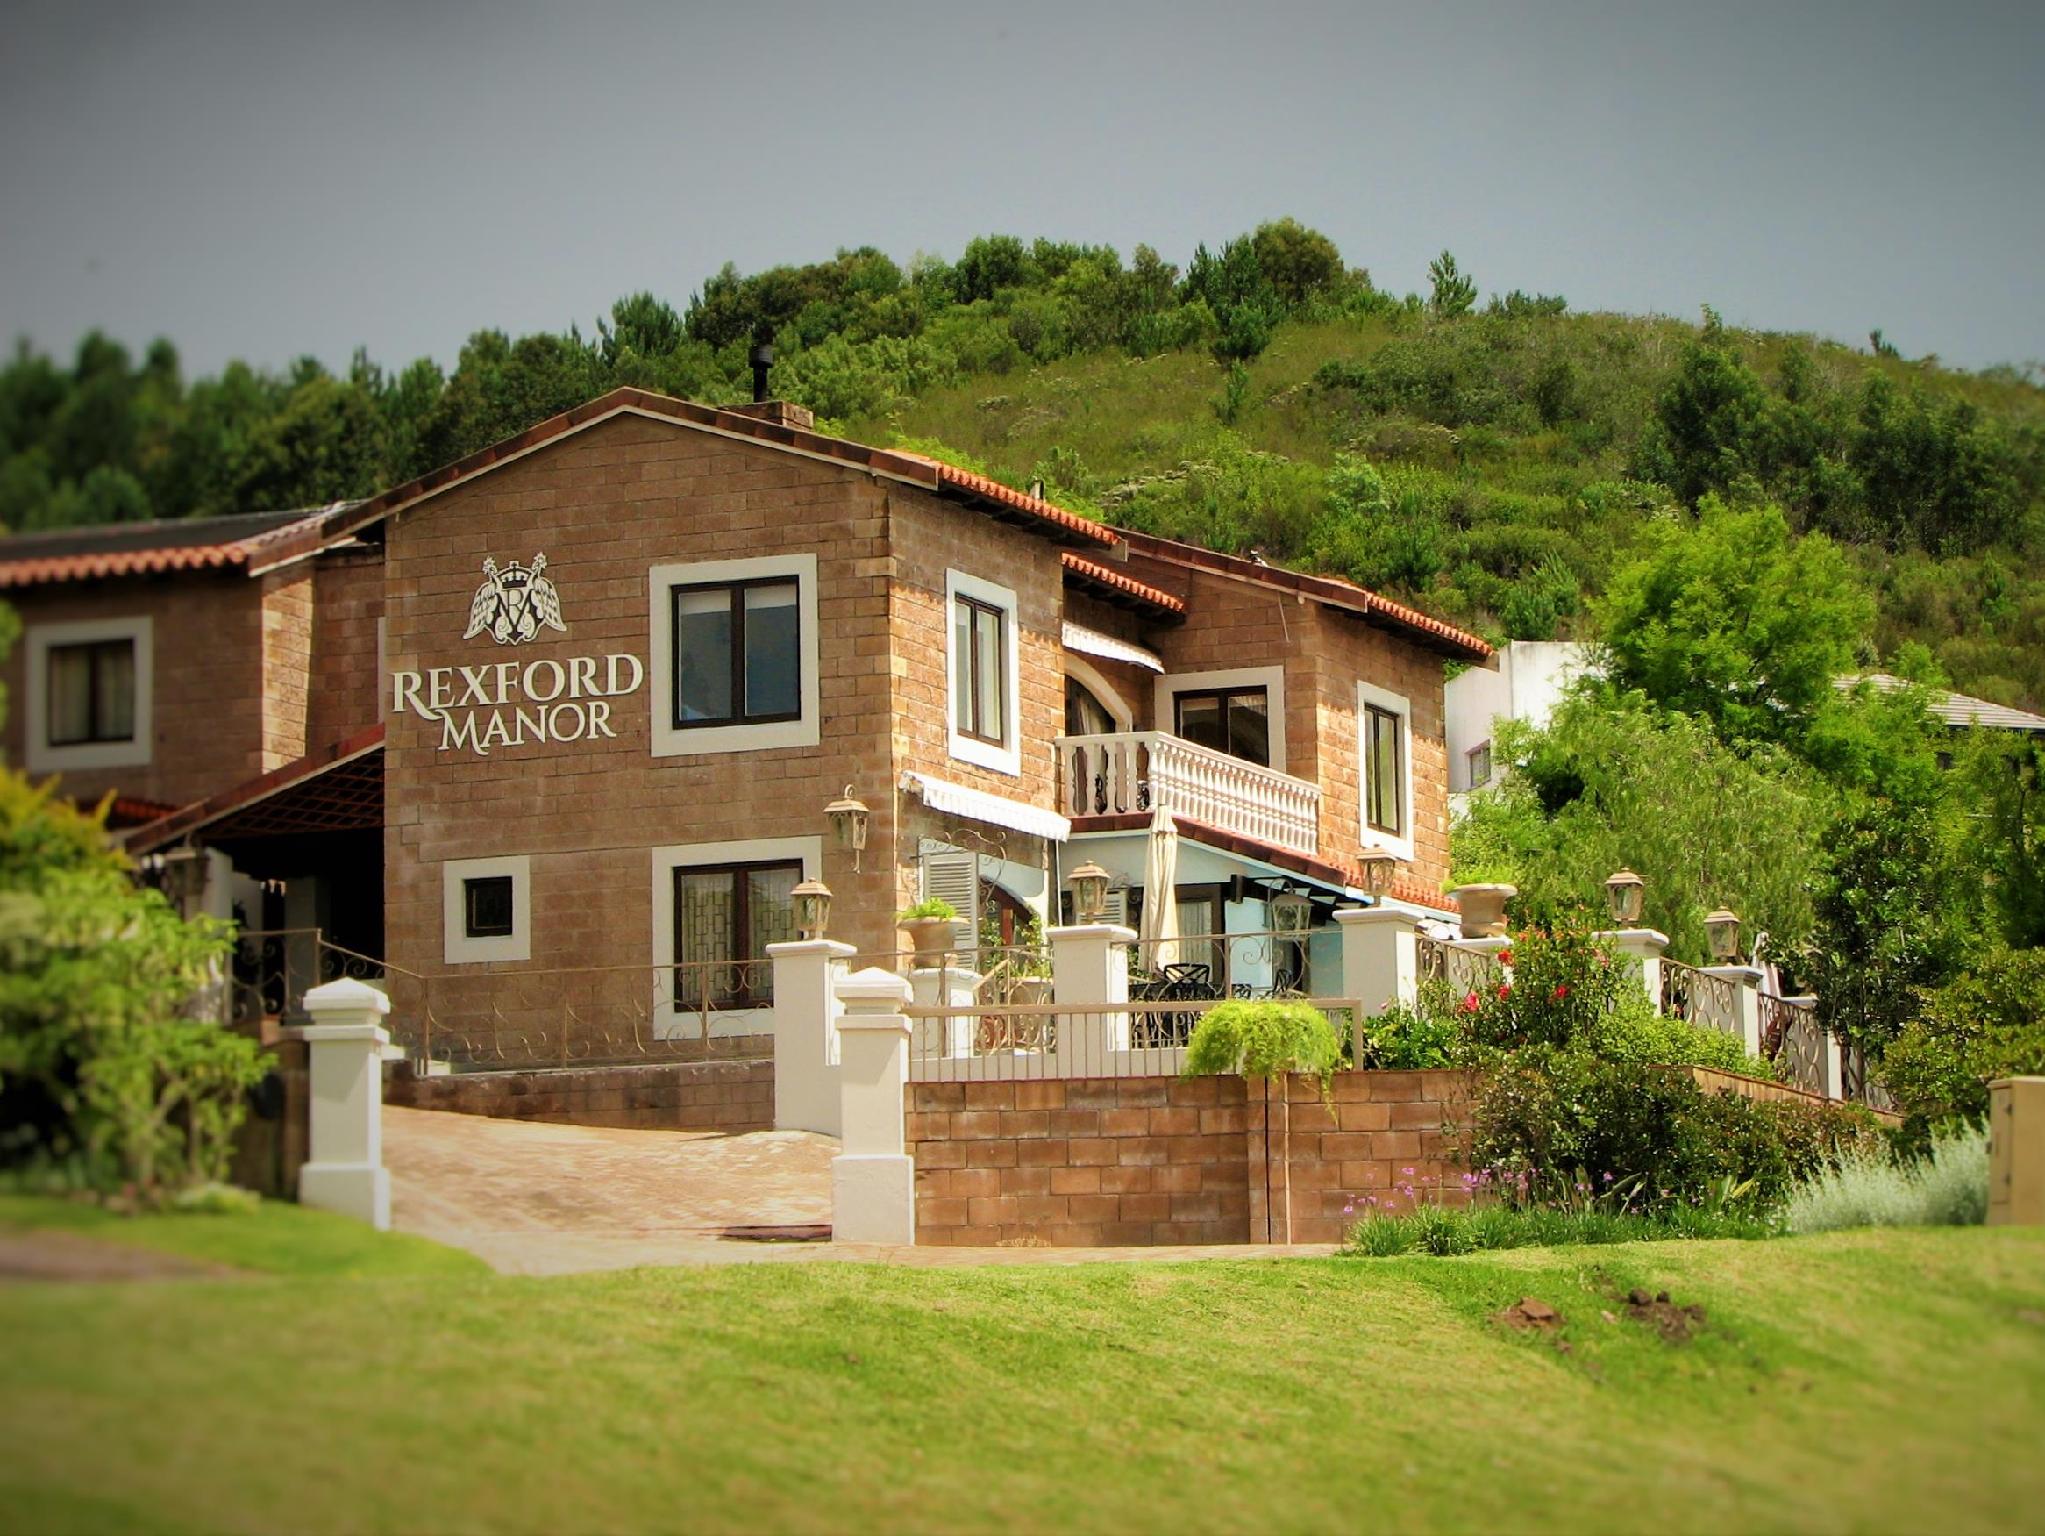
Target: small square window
<point>487,907</point>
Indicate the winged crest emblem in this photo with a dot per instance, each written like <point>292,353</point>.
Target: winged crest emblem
<point>514,603</point>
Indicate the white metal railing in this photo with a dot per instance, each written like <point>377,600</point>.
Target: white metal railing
<point>1135,771</point>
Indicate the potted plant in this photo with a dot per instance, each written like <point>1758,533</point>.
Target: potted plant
<point>1268,1041</point>
<point>930,927</point>
<point>1481,892</point>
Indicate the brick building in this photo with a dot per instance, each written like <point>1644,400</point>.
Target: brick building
<point>577,703</point>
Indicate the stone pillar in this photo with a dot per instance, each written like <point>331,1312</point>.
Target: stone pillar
<point>2016,1152</point>
<point>1090,970</point>
<point>873,1178</point>
<point>805,1034</point>
<point>1645,947</point>
<point>944,987</point>
<point>1380,957</point>
<point>345,1042</point>
<point>1746,1019</point>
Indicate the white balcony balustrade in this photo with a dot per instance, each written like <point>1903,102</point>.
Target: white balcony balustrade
<point>1139,771</point>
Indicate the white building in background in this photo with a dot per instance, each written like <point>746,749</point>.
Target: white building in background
<point>1525,682</point>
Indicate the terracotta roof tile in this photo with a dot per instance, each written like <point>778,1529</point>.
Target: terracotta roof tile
<point>248,540</point>
<point>1093,572</point>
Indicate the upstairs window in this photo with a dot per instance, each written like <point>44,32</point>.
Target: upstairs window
<point>979,680</point>
<point>1236,721</point>
<point>90,693</point>
<point>1384,771</point>
<point>737,653</point>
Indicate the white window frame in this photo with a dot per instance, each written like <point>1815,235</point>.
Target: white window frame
<point>1402,846</point>
<point>457,948</point>
<point>670,741</point>
<point>1007,757</point>
<point>669,1020</point>
<point>39,756</point>
<point>1271,679</point>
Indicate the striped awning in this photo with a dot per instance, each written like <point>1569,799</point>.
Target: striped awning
<point>1092,642</point>
<point>978,805</point>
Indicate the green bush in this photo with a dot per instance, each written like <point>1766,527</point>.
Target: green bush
<point>1447,1230</point>
<point>1989,1023</point>
<point>1948,1187</point>
<point>1263,1039</point>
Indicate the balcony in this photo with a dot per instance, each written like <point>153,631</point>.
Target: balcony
<point>1139,771</point>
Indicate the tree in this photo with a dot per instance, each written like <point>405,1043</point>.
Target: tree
<point>1454,293</point>
<point>1233,285</point>
<point>1713,417</point>
<point>1734,620</point>
<point>1300,263</point>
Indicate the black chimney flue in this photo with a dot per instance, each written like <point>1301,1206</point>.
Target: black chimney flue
<point>763,359</point>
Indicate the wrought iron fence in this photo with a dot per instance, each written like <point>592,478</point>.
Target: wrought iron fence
<point>1700,998</point>
<point>1221,966</point>
<point>271,970</point>
<point>1457,968</point>
<point>1858,1082</point>
<point>1044,1040</point>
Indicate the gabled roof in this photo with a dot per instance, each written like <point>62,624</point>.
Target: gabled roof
<point>1956,709</point>
<point>251,541</point>
<point>1331,591</point>
<point>976,491</point>
<point>1120,588</point>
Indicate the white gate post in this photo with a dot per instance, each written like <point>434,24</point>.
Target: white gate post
<point>1380,958</point>
<point>873,1178</point>
<point>1746,1019</point>
<point>805,1036</point>
<point>1090,969</point>
<point>1646,945</point>
<point>344,1044</point>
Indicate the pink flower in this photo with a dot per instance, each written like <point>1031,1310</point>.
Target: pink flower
<point>1561,992</point>
<point>1470,1003</point>
<point>1505,989</point>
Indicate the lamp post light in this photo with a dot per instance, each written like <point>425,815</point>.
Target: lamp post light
<point>812,908</point>
<point>1626,896</point>
<point>1723,929</point>
<point>848,818</point>
<point>1379,870</point>
<point>1089,885</point>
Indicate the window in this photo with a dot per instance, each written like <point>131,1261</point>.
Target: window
<point>725,917</point>
<point>979,693</point>
<point>737,650</point>
<point>734,664</point>
<point>982,673</point>
<point>1384,770</point>
<point>1479,761</point>
<point>486,910</point>
<point>88,688</point>
<point>91,692</point>
<point>488,907</point>
<point>1236,721</point>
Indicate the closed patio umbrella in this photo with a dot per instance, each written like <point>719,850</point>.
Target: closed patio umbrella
<point>1160,929</point>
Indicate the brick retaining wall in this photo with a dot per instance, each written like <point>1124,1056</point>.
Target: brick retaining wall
<point>1375,1136</point>
<point>663,1096</point>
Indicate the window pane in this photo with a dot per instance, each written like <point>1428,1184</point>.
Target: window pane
<point>773,674</point>
<point>116,720</point>
<point>703,655</point>
<point>70,694</point>
<point>962,665</point>
<point>1382,770</point>
<point>770,907</point>
<point>704,915</point>
<point>1249,727</point>
<point>992,678</point>
<point>489,906</point>
<point>1200,722</point>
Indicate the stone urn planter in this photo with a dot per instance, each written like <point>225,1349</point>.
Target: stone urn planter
<point>1030,990</point>
<point>933,938</point>
<point>1483,908</point>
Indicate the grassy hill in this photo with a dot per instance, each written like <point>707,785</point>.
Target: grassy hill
<point>1877,1380</point>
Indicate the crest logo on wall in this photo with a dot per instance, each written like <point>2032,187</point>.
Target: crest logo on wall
<point>514,604</point>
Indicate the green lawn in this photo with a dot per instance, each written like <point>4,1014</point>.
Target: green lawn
<point>1862,1381</point>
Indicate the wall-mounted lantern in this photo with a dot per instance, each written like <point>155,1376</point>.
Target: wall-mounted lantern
<point>1380,868</point>
<point>1722,928</point>
<point>1626,896</point>
<point>185,872</point>
<point>1089,885</point>
<point>812,908</point>
<point>1290,912</point>
<point>848,818</point>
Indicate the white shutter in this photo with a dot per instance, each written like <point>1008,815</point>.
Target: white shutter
<point>1117,909</point>
<point>953,875</point>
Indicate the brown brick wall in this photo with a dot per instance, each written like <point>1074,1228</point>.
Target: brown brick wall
<point>1080,1162</point>
<point>207,639</point>
<point>348,602</point>
<point>1092,1162</point>
<point>674,1096</point>
<point>287,663</point>
<point>1234,624</point>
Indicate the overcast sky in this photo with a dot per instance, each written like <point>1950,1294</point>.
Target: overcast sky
<point>268,180</point>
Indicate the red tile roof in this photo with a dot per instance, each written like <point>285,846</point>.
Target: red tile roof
<point>251,542</point>
<point>1092,572</point>
<point>913,468</point>
<point>1331,590</point>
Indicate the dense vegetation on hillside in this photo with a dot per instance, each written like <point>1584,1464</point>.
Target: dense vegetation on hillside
<point>1493,461</point>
